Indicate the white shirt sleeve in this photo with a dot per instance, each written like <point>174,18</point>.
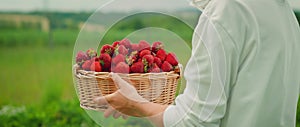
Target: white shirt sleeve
<point>203,103</point>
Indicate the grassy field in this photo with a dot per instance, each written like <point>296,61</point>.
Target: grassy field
<point>30,74</point>
<point>37,89</point>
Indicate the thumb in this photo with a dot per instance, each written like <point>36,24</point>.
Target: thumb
<point>122,84</point>
<point>127,89</point>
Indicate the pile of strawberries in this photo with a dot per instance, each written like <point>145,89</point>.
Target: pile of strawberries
<point>126,57</point>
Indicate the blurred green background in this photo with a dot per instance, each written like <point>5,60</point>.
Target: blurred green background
<point>36,50</point>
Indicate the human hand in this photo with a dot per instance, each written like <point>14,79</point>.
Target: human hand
<point>125,100</point>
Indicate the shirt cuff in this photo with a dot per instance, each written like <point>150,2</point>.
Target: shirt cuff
<point>170,116</point>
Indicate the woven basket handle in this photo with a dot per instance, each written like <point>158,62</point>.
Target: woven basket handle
<point>75,71</point>
<point>80,74</point>
<point>179,70</point>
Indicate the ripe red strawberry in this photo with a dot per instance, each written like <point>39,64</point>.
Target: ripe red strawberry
<point>148,60</point>
<point>115,44</point>
<point>157,46</point>
<point>137,67</point>
<point>154,69</point>
<point>121,67</point>
<point>107,49</point>
<point>105,61</point>
<point>134,53</point>
<point>119,58</point>
<point>132,58</point>
<point>122,50</point>
<point>172,59</point>
<point>95,66</point>
<point>140,60</point>
<point>144,45</point>
<point>86,65</point>
<point>91,53</point>
<point>126,42</point>
<point>144,52</point>
<point>135,47</point>
<point>166,67</point>
<point>157,61</point>
<point>95,59</point>
<point>81,57</point>
<point>161,54</point>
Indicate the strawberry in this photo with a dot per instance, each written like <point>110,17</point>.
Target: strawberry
<point>119,58</point>
<point>157,61</point>
<point>144,45</point>
<point>122,50</point>
<point>95,66</point>
<point>115,44</point>
<point>107,49</point>
<point>139,59</point>
<point>126,42</point>
<point>154,69</point>
<point>144,52</point>
<point>157,46</point>
<point>161,54</point>
<point>81,57</point>
<point>148,60</point>
<point>121,67</point>
<point>105,61</point>
<point>135,47</point>
<point>86,65</point>
<point>166,67</point>
<point>134,53</point>
<point>95,59</point>
<point>137,67</point>
<point>172,59</point>
<point>132,57</point>
<point>91,53</point>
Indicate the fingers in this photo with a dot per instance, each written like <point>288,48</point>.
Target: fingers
<point>117,115</point>
<point>124,117</point>
<point>109,112</point>
<point>100,100</point>
<point>104,99</point>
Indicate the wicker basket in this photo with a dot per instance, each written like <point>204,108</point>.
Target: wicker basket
<point>156,87</point>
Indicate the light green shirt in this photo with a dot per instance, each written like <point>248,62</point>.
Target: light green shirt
<point>245,67</point>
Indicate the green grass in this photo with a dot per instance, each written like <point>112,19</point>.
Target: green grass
<point>30,74</point>
<point>27,37</point>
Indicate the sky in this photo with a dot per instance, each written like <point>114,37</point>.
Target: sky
<point>91,5</point>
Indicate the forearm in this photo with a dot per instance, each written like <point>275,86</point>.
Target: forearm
<point>153,112</point>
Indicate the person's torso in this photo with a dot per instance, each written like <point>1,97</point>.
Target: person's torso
<point>265,90</point>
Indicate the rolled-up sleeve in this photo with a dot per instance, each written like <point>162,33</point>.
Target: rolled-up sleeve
<point>204,101</point>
